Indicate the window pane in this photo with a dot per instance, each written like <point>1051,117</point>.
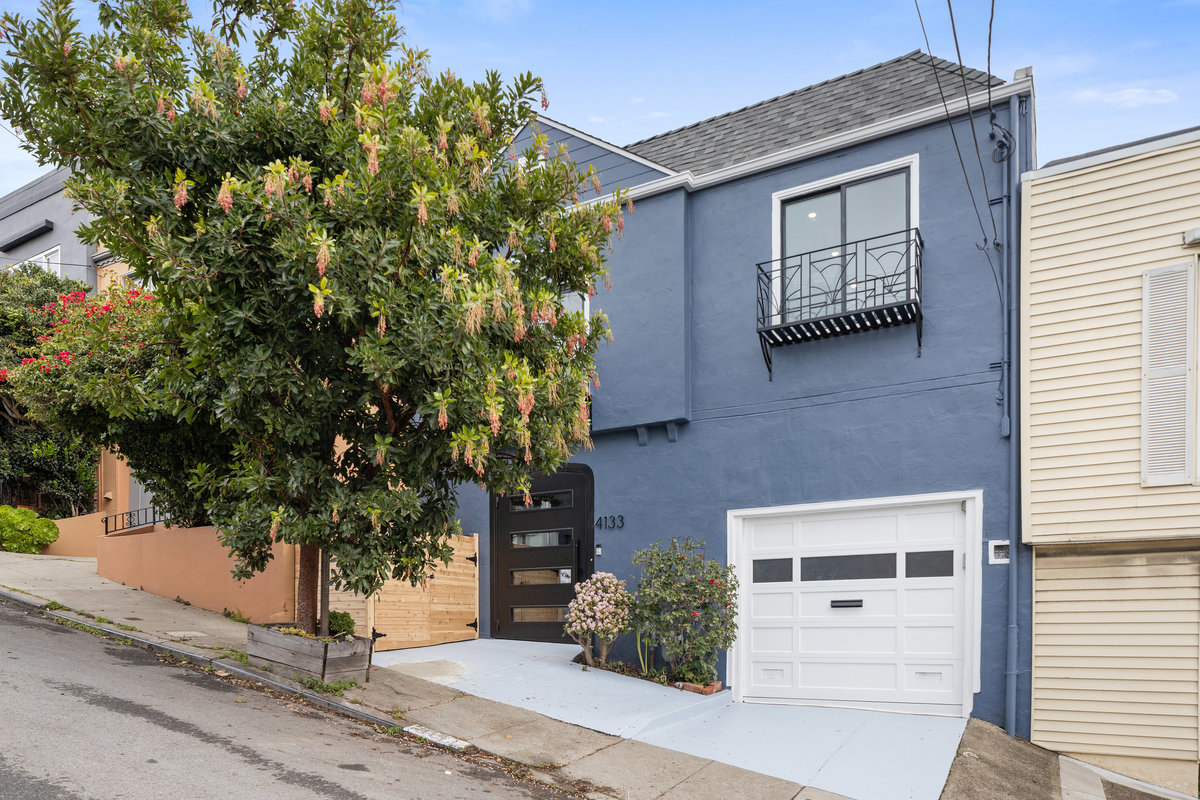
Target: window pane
<point>541,577</point>
<point>542,501</point>
<point>772,570</point>
<point>559,538</point>
<point>877,207</point>
<point>936,564</point>
<point>848,568</point>
<point>539,614</point>
<point>812,223</point>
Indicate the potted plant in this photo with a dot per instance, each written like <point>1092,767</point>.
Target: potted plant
<point>291,652</point>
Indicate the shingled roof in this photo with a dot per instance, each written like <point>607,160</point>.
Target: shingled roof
<point>834,106</point>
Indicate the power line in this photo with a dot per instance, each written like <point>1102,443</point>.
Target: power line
<point>991,110</point>
<point>966,179</point>
<point>962,71</point>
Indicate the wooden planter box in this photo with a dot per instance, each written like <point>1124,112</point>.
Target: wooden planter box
<point>298,657</point>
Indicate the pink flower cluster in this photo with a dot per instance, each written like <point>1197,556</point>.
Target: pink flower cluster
<point>602,606</point>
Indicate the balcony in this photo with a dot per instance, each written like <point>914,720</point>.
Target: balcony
<point>851,288</point>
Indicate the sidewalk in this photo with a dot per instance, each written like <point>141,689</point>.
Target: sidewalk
<point>578,759</point>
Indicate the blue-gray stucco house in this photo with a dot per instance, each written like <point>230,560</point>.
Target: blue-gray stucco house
<point>814,315</point>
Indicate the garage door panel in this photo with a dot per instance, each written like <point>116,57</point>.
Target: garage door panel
<point>931,602</point>
<point>772,605</point>
<point>843,533</point>
<point>768,676</point>
<point>857,608</point>
<point>933,527</point>
<point>825,641</point>
<point>849,675</point>
<point>818,604</point>
<point>930,640</point>
<point>772,536</point>
<point>773,640</point>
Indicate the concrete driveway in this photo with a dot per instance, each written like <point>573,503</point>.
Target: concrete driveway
<point>866,755</point>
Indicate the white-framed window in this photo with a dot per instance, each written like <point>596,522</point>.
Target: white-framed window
<point>1169,375</point>
<point>49,260</point>
<point>847,242</point>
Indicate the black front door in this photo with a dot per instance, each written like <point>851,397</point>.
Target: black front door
<point>539,553</point>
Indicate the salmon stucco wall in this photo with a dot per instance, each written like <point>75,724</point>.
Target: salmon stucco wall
<point>191,564</point>
<point>77,536</point>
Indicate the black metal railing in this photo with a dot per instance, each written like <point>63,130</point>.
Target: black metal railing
<point>134,518</point>
<point>852,287</point>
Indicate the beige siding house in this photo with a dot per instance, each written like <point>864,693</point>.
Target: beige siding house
<point>1111,493</point>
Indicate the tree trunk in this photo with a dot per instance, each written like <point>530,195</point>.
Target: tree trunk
<point>324,592</point>
<point>306,588</point>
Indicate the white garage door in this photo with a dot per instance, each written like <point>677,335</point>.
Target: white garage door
<point>864,607</point>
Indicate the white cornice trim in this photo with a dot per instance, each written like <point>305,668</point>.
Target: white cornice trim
<point>915,119</point>
<point>1131,151</point>
<point>612,148</point>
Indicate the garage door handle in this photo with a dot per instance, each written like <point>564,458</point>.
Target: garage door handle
<point>845,603</point>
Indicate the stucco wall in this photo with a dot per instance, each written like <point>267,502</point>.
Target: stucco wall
<point>855,417</point>
<point>77,536</point>
<point>190,563</point>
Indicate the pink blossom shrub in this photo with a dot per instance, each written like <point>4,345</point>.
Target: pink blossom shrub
<point>601,608</point>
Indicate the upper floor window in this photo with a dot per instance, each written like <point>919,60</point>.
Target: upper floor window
<point>846,257</point>
<point>49,260</point>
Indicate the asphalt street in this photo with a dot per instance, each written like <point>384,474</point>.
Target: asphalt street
<point>83,718</point>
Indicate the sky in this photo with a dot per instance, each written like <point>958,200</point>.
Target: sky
<point>1105,71</point>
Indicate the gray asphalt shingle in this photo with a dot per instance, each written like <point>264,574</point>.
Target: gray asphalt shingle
<point>902,85</point>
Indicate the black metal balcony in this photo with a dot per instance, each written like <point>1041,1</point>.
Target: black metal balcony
<point>134,518</point>
<point>851,288</point>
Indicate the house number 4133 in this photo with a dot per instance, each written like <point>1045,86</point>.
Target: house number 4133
<point>611,522</point>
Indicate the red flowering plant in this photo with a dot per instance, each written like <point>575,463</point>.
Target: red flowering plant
<point>361,275</point>
<point>93,371</point>
<point>687,604</point>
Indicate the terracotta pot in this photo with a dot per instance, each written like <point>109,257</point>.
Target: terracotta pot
<point>711,688</point>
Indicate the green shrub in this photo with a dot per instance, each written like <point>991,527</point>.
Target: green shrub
<point>23,531</point>
<point>688,604</point>
<point>340,623</point>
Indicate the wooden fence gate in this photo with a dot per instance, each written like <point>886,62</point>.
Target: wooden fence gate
<point>445,608</point>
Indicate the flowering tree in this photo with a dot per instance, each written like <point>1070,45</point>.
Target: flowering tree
<point>361,280</point>
<point>38,462</point>
<point>600,608</point>
<point>93,372</point>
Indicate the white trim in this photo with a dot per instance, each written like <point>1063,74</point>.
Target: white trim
<point>612,148</point>
<point>973,502</point>
<point>1129,151</point>
<point>976,102</point>
<point>43,260</point>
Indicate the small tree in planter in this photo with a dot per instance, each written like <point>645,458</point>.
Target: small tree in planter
<point>601,608</point>
<point>688,604</point>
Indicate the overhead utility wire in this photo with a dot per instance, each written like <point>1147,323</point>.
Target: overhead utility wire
<point>991,109</point>
<point>966,179</point>
<point>962,71</point>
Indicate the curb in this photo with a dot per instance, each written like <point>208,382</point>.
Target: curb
<point>431,736</point>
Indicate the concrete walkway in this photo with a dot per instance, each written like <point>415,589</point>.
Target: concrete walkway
<point>596,734</point>
<point>819,747</point>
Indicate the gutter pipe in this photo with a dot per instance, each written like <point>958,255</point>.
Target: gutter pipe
<point>1011,413</point>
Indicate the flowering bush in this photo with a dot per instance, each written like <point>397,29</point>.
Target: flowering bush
<point>601,608</point>
<point>688,604</point>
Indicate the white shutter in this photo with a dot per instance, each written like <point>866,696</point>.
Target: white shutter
<point>1168,379</point>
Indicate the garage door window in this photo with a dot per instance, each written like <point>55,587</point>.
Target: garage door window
<point>931,564</point>
<point>848,568</point>
<point>772,570</point>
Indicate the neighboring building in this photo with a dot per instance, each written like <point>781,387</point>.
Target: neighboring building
<point>1111,501</point>
<point>37,224</point>
<point>855,480</point>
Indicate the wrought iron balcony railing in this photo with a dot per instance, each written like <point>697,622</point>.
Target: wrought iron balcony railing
<point>134,518</point>
<point>853,287</point>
